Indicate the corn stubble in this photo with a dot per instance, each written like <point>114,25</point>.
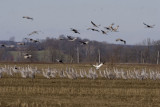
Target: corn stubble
<point>81,92</point>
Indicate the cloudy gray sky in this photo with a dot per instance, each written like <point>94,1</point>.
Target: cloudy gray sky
<point>55,17</point>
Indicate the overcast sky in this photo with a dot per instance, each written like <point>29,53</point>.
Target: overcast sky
<point>55,17</point>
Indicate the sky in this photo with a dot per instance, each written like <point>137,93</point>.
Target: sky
<point>56,17</point>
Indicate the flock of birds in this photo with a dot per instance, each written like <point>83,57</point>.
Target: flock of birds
<point>71,73</point>
<point>94,28</point>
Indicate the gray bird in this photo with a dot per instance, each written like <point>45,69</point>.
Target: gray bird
<point>104,32</point>
<point>93,29</point>
<point>71,38</point>
<point>75,30</point>
<point>27,17</point>
<point>84,43</point>
<point>94,24</point>
<point>148,26</point>
<point>121,40</point>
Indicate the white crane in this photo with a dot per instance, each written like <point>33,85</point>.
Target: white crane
<point>98,66</point>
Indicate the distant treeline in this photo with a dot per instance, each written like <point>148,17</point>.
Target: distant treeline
<point>50,49</point>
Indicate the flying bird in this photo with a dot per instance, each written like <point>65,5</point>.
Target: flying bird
<point>110,27</point>
<point>103,32</point>
<point>115,29</point>
<point>121,40</point>
<point>75,30</point>
<point>84,43</point>
<point>35,41</point>
<point>61,38</point>
<point>94,24</point>
<point>93,29</point>
<point>60,61</point>
<point>71,38</point>
<point>98,66</point>
<point>27,56</point>
<point>34,32</point>
<point>29,39</point>
<point>148,26</point>
<point>27,17</point>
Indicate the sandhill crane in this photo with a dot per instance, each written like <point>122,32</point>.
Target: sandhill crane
<point>62,38</point>
<point>75,30</point>
<point>115,29</point>
<point>27,56</point>
<point>28,39</point>
<point>121,40</point>
<point>104,32</point>
<point>59,60</point>
<point>98,66</point>
<point>35,41</point>
<point>71,38</point>
<point>148,26</point>
<point>27,17</point>
<point>34,32</point>
<point>84,43</point>
<point>110,27</point>
<point>94,24</point>
<point>32,40</point>
<point>93,29</point>
<point>20,43</point>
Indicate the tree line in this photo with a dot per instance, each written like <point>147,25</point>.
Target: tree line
<point>50,49</point>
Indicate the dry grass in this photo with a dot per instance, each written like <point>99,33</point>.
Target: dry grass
<point>58,92</point>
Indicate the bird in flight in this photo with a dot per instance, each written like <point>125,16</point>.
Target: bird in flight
<point>103,32</point>
<point>98,66</point>
<point>94,24</point>
<point>27,56</point>
<point>93,29</point>
<point>84,43</point>
<point>115,29</point>
<point>110,27</point>
<point>121,40</point>
<point>27,17</point>
<point>34,32</point>
<point>148,26</point>
<point>35,41</point>
<point>75,30</point>
<point>60,61</point>
<point>29,39</point>
<point>71,38</point>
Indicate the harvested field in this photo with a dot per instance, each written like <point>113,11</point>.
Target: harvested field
<point>16,91</point>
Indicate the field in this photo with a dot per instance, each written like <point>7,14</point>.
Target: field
<point>16,91</point>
